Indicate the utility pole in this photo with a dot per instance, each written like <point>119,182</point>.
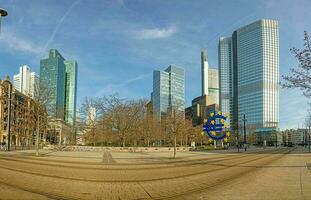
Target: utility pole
<point>244,129</point>
<point>9,115</point>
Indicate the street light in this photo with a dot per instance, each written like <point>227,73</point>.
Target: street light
<point>244,129</point>
<point>3,13</point>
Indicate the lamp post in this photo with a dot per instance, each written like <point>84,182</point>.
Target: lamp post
<point>3,13</point>
<point>309,142</point>
<point>244,129</point>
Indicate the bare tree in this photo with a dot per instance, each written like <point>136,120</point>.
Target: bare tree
<point>301,76</point>
<point>42,96</point>
<point>175,122</point>
<point>90,114</point>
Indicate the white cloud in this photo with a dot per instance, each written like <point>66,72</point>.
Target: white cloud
<point>9,40</point>
<point>155,33</point>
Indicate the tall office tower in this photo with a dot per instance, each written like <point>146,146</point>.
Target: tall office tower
<point>204,73</point>
<point>71,68</point>
<point>25,81</point>
<point>225,74</point>
<point>60,76</point>
<point>34,84</point>
<point>213,86</point>
<point>255,72</point>
<point>168,90</point>
<point>52,76</point>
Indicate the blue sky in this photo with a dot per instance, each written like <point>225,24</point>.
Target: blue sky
<point>118,43</point>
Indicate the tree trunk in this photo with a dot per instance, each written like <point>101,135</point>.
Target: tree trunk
<point>37,135</point>
<point>186,140</point>
<point>123,142</point>
<point>174,145</point>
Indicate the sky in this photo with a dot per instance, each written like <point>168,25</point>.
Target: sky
<point>118,43</point>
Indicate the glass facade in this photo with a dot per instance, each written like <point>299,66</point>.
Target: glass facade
<point>60,76</point>
<point>52,76</point>
<point>249,75</point>
<point>168,90</point>
<point>70,91</point>
<point>225,74</point>
<point>258,73</point>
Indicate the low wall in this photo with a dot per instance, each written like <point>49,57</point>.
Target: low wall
<point>117,149</point>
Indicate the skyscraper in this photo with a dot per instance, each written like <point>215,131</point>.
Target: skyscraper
<point>255,74</point>
<point>25,81</point>
<point>213,86</point>
<point>168,90</point>
<point>60,76</point>
<point>70,91</point>
<point>52,76</point>
<point>225,74</point>
<point>204,73</point>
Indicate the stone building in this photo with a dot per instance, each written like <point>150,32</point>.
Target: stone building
<point>21,125</point>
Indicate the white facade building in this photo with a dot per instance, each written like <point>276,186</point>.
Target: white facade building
<point>213,86</point>
<point>204,73</point>
<point>26,81</point>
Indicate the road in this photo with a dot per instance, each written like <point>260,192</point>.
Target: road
<point>265,174</point>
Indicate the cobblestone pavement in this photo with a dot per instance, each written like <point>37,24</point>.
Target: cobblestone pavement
<point>259,174</point>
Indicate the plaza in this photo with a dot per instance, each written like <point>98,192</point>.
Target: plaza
<point>271,173</point>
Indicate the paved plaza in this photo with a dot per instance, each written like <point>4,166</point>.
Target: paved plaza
<point>272,173</point>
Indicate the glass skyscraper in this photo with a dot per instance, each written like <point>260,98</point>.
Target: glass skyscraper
<point>60,76</point>
<point>71,68</point>
<point>52,76</point>
<point>255,74</point>
<point>225,74</point>
<point>168,90</point>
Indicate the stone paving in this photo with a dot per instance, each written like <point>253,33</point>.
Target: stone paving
<point>257,174</point>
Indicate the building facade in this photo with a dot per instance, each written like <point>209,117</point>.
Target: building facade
<point>198,111</point>
<point>204,73</point>
<point>168,90</point>
<point>26,81</point>
<point>60,76</point>
<point>225,74</point>
<point>19,116</point>
<point>52,76</point>
<point>295,137</point>
<point>213,86</point>
<point>255,75</point>
<point>71,68</point>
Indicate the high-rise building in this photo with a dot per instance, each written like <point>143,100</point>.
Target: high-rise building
<point>204,73</point>
<point>168,90</point>
<point>213,86</point>
<point>225,74</point>
<point>52,76</point>
<point>70,91</point>
<point>60,76</point>
<point>199,110</point>
<point>25,81</point>
<point>255,74</point>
